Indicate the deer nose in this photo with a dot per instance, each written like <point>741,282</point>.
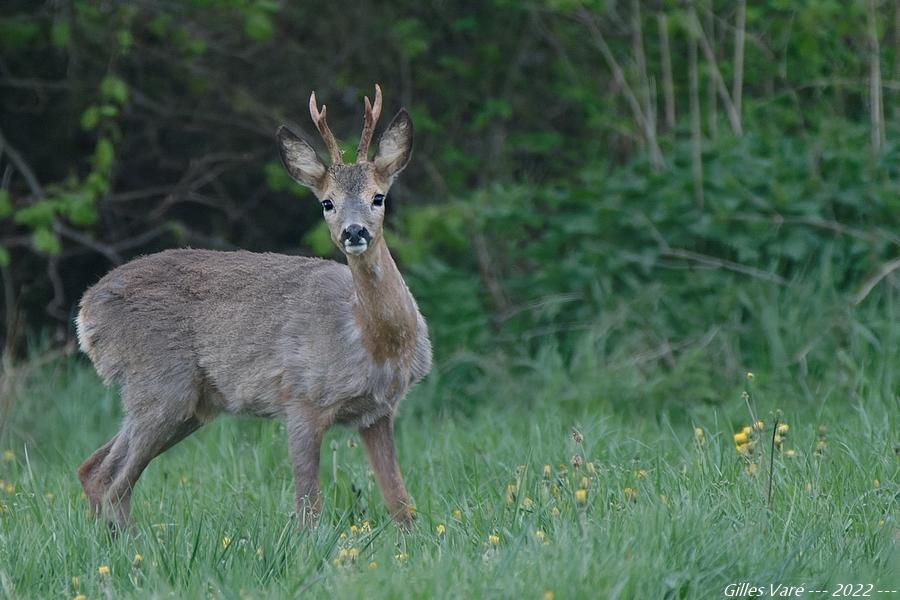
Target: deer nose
<point>356,234</point>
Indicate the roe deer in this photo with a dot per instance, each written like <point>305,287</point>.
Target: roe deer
<point>192,333</point>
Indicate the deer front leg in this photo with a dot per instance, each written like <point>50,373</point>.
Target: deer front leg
<point>304,444</point>
<point>378,440</point>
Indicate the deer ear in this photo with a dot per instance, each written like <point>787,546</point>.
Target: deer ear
<point>299,159</point>
<point>395,146</point>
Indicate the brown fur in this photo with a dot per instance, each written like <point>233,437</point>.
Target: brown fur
<point>189,334</point>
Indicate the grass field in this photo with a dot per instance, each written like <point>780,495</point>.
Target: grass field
<point>662,506</point>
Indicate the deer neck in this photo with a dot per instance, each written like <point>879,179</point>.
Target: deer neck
<point>384,309</point>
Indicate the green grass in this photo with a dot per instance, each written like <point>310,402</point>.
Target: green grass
<point>696,520</point>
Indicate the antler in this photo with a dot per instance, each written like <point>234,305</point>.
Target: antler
<point>319,119</point>
<point>372,114</point>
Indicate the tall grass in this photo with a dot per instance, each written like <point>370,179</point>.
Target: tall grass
<point>670,508</point>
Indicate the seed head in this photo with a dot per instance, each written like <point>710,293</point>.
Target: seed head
<point>576,435</point>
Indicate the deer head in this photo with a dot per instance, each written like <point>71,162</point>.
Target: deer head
<point>352,195</point>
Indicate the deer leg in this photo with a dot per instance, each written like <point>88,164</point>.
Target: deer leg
<point>87,471</point>
<point>304,444</point>
<point>378,440</point>
<point>140,440</point>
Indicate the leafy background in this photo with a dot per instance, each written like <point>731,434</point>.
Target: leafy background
<point>572,159</point>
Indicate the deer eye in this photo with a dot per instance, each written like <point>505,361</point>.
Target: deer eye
<point>328,205</point>
<point>378,200</point>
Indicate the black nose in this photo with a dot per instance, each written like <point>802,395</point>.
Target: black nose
<point>356,234</point>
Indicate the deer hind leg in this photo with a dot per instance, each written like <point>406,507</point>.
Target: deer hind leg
<point>378,440</point>
<point>87,474</point>
<point>141,439</point>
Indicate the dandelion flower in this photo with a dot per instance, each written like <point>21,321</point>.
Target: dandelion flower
<point>10,488</point>
<point>401,557</point>
<point>103,569</point>
<point>548,595</point>
<point>411,510</point>
<point>581,496</point>
<point>226,541</point>
<point>342,537</point>
<point>344,553</point>
<point>354,529</point>
<point>640,473</point>
<point>784,428</point>
<point>630,494</point>
<point>494,540</point>
<point>741,438</point>
<point>877,484</point>
<point>554,511</point>
<point>790,453</point>
<point>440,529</point>
<point>80,597</point>
<point>9,455</point>
<point>760,425</point>
<point>540,535</point>
<point>457,514</point>
<point>777,440</point>
<point>354,553</point>
<point>746,430</point>
<point>373,565</point>
<point>547,471</point>
<point>699,434</point>
<point>138,559</point>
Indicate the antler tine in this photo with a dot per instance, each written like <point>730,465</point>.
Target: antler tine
<point>322,125</point>
<point>372,114</point>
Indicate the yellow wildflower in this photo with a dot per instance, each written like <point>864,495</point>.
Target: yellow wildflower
<point>784,428</point>
<point>790,453</point>
<point>401,557</point>
<point>540,535</point>
<point>457,514</point>
<point>699,434</point>
<point>741,438</point>
<point>365,526</point>
<point>411,510</point>
<point>752,468</point>
<point>354,553</point>
<point>877,484</point>
<point>759,425</point>
<point>80,597</point>
<point>640,473</point>
<point>75,581</point>
<point>373,565</point>
<point>10,488</point>
<point>9,455</point>
<point>548,595</point>
<point>344,553</point>
<point>547,471</point>
<point>820,446</point>
<point>630,494</point>
<point>746,429</point>
<point>103,570</point>
<point>664,500</point>
<point>581,496</point>
<point>138,558</point>
<point>440,529</point>
<point>259,553</point>
<point>226,541</point>
<point>749,375</point>
<point>554,511</point>
<point>354,529</point>
<point>494,540</point>
<point>527,502</point>
<point>777,440</point>
<point>342,537</point>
